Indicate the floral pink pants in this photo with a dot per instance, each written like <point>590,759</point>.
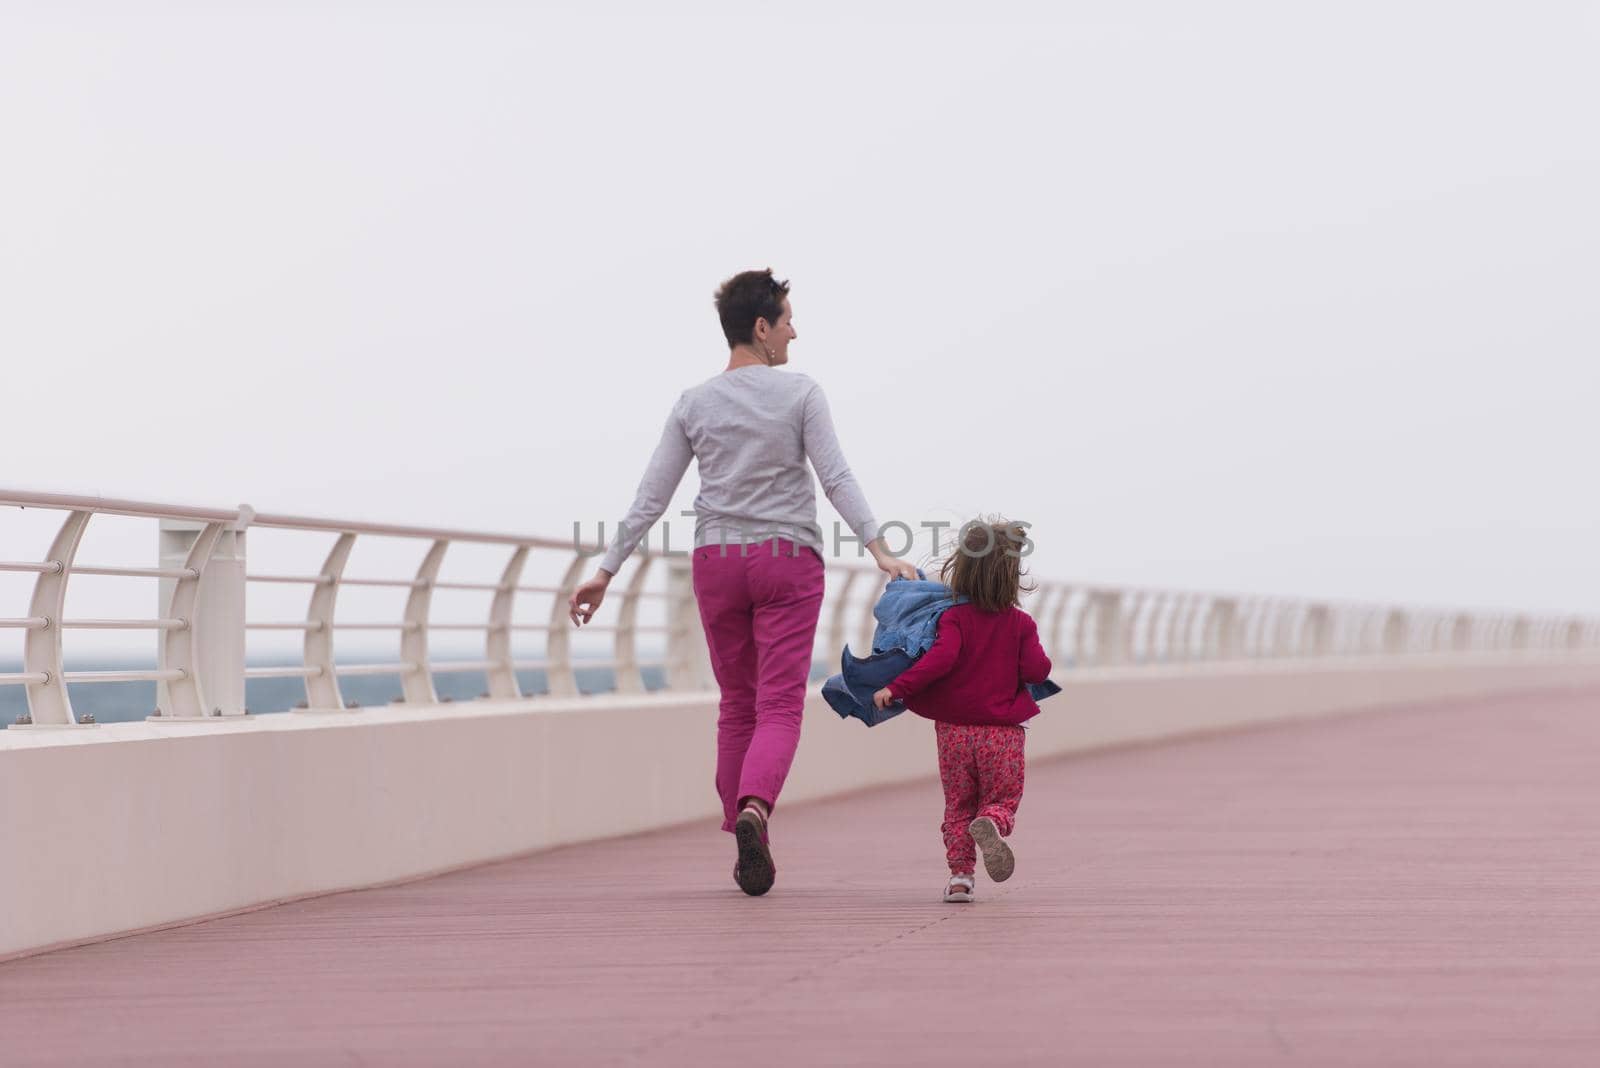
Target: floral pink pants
<point>981,769</point>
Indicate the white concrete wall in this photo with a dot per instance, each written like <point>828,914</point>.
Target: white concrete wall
<point>130,826</point>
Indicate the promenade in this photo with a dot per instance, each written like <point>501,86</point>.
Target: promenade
<point>1417,885</point>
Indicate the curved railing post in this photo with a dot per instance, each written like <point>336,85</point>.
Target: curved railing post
<point>1107,626</point>
<point>1134,605</point>
<point>1244,616</point>
<point>562,680</point>
<point>1285,627</point>
<point>1428,632</point>
<point>688,661</point>
<point>1317,635</point>
<point>322,682</point>
<point>1170,633</point>
<point>1572,634</point>
<point>1081,633</point>
<point>867,622</point>
<point>1158,628</point>
<point>1194,627</point>
<point>503,672</point>
<point>48,702</point>
<point>1359,642</point>
<point>1253,627</point>
<point>416,681</point>
<point>1222,640</point>
<point>1180,637</point>
<point>628,677</point>
<point>1273,612</point>
<point>1279,622</point>
<point>1446,637</point>
<point>1054,643</point>
<point>1396,632</point>
<point>836,620</point>
<point>1055,595</point>
<point>184,696</point>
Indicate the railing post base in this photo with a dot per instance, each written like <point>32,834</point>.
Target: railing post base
<point>191,721</point>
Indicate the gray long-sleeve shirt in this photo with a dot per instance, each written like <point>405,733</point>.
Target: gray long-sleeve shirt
<point>753,429</point>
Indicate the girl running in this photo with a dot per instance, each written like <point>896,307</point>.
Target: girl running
<point>972,682</point>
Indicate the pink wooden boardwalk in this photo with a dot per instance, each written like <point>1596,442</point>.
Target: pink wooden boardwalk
<point>1411,887</point>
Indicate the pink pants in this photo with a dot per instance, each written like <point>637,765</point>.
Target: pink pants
<point>981,769</point>
<point>759,611</point>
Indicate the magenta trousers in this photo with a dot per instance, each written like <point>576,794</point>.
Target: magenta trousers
<point>759,610</point>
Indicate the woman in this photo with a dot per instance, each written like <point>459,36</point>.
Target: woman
<point>757,562</point>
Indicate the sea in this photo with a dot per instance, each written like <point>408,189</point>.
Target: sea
<point>124,702</point>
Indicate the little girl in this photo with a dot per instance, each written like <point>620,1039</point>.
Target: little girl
<point>972,683</point>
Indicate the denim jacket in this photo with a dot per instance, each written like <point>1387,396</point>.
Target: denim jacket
<point>908,614</point>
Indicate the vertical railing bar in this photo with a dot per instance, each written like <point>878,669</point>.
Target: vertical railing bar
<point>418,685</point>
<point>628,677</point>
<point>502,677</point>
<point>1054,647</point>
<point>186,694</point>
<point>841,604</point>
<point>49,704</point>
<point>322,684</point>
<point>563,680</point>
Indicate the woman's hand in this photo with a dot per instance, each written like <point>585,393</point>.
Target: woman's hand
<point>587,597</point>
<point>882,699</point>
<point>889,563</point>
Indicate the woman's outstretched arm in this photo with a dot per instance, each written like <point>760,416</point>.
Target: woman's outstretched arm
<point>660,482</point>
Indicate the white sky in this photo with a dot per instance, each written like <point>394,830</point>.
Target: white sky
<point>1276,298</point>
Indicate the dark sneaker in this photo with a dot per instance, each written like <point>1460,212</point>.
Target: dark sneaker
<point>755,871</point>
<point>998,860</point>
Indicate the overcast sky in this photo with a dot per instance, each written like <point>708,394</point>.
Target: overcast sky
<point>1283,298</point>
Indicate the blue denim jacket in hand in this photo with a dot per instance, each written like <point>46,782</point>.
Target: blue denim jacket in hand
<point>908,614</point>
<point>908,622</point>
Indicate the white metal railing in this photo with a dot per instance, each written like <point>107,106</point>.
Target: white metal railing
<point>181,662</point>
<point>1080,625</point>
<point>1091,626</point>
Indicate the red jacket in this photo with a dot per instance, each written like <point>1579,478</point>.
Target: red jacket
<point>976,669</point>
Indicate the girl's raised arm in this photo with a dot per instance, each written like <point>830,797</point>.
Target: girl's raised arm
<point>934,664</point>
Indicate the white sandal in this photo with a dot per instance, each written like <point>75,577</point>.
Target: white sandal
<point>960,888</point>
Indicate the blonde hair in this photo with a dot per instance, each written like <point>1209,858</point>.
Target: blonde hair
<point>986,564</point>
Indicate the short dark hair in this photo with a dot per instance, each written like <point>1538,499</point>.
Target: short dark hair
<point>746,297</point>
